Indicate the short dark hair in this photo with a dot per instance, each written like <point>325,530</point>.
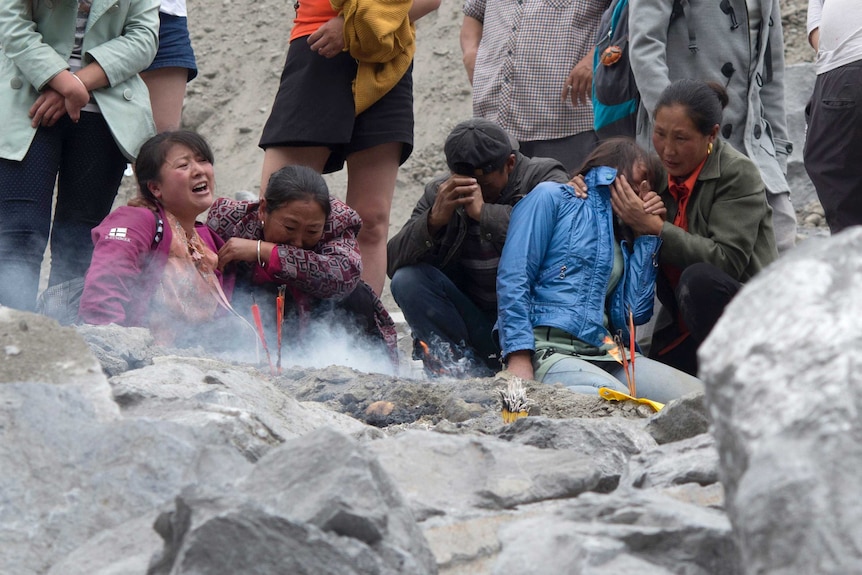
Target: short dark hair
<point>292,183</point>
<point>152,156</point>
<point>704,102</point>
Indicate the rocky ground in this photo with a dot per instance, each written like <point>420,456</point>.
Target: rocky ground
<point>118,457</point>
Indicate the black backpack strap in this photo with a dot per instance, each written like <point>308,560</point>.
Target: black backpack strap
<point>678,11</point>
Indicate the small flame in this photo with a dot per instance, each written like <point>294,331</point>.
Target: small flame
<point>431,361</point>
<point>614,351</point>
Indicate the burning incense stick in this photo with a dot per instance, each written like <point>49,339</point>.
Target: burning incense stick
<point>632,339</point>
<point>255,313</point>
<point>279,318</point>
<point>618,340</point>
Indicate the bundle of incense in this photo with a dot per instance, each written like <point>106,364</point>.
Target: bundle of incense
<point>514,400</point>
<point>255,313</point>
<point>279,318</point>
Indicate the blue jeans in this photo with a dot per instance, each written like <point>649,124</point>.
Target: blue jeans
<point>435,309</point>
<point>654,380</point>
<point>90,168</point>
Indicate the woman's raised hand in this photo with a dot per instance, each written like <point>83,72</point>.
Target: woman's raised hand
<point>631,206</point>
<point>242,250</point>
<point>580,186</point>
<point>653,203</point>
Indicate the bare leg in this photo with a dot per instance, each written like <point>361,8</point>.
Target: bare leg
<point>277,157</point>
<point>371,177</point>
<point>167,88</point>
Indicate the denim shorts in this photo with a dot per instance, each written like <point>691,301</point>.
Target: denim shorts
<point>314,107</point>
<point>175,46</point>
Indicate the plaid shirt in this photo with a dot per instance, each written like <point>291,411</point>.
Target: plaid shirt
<point>527,50</point>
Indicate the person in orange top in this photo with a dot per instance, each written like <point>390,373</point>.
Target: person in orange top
<point>718,232</point>
<point>320,118</point>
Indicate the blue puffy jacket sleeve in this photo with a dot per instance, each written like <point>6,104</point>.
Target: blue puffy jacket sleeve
<point>636,290</point>
<point>530,231</point>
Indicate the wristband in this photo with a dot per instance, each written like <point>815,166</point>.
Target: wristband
<point>260,262</point>
<point>80,81</point>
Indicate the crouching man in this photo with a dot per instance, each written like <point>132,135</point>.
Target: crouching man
<point>443,262</point>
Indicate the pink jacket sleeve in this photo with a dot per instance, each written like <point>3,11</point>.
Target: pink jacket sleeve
<point>115,281</point>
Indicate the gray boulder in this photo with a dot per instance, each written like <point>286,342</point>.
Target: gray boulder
<point>318,504</point>
<point>125,549</point>
<point>783,382</point>
<point>607,443</point>
<point>117,348</point>
<point>635,532</point>
<point>38,349</point>
<point>680,419</point>
<point>66,476</point>
<point>234,403</point>
<point>693,460</point>
<point>217,537</point>
<point>457,476</point>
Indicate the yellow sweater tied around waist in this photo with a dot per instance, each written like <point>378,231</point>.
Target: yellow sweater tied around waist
<point>380,36</point>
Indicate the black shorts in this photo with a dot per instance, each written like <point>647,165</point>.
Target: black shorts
<point>314,107</point>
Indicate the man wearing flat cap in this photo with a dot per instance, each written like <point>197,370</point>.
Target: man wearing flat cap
<point>443,262</point>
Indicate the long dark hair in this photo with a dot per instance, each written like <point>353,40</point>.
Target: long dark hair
<point>152,156</point>
<point>704,102</point>
<point>622,154</point>
<point>292,183</point>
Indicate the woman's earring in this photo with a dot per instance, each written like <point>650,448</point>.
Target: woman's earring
<point>709,149</point>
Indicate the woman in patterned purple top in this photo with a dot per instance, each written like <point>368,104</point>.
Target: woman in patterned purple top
<point>300,237</point>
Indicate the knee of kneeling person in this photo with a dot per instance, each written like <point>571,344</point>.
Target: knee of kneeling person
<point>405,280</point>
<point>702,294</point>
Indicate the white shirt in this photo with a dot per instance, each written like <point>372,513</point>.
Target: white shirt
<point>840,23</point>
<point>174,7</point>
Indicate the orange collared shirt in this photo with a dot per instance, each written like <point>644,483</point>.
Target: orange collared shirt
<point>681,192</point>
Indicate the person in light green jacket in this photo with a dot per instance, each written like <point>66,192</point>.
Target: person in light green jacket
<point>75,111</point>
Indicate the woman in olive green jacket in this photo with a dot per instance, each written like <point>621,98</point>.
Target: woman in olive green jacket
<point>718,232</point>
<point>73,105</point>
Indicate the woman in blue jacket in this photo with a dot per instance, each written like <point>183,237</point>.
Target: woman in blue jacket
<point>74,105</point>
<point>574,270</point>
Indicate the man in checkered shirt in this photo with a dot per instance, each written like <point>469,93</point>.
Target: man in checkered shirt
<point>530,63</point>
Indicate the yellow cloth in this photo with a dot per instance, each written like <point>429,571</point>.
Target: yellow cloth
<point>380,36</point>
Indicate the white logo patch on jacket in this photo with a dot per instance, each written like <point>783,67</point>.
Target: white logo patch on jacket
<point>117,234</point>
